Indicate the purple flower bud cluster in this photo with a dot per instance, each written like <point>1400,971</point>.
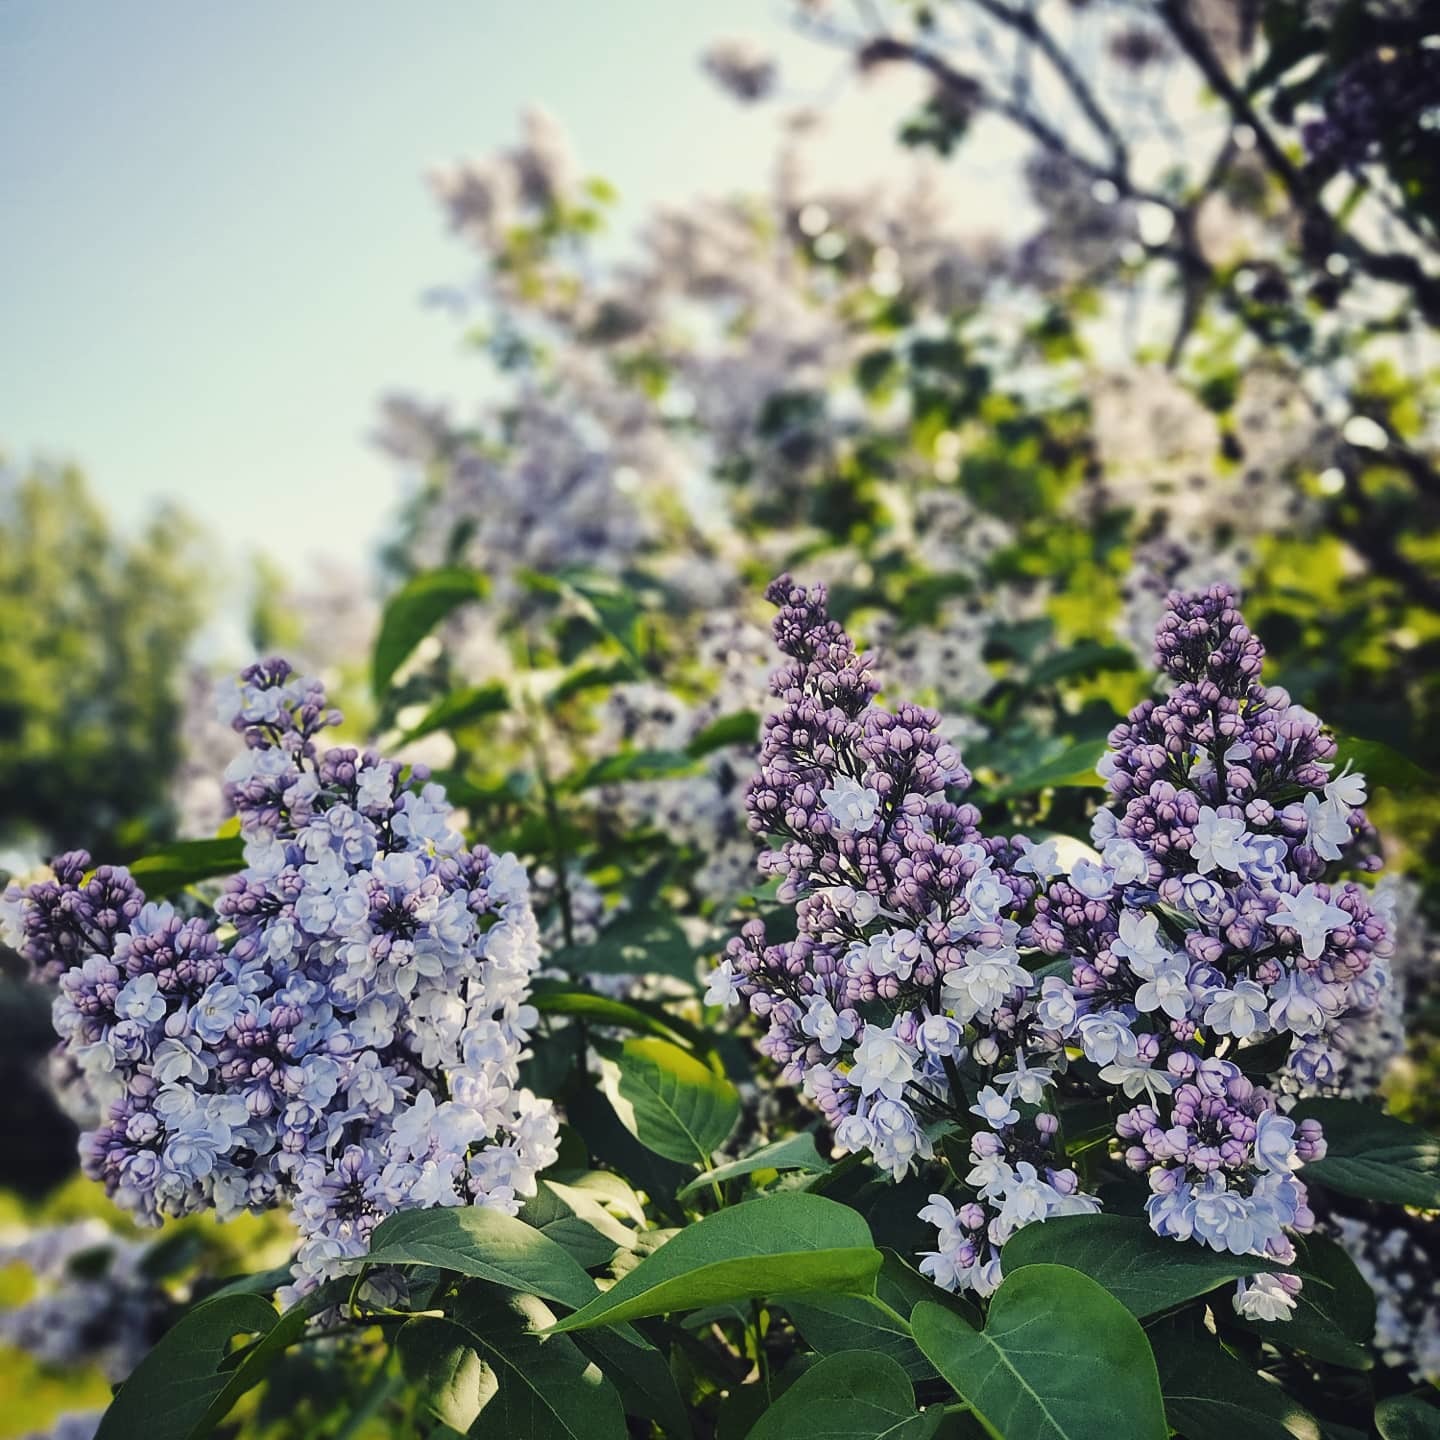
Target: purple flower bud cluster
<point>907,966</point>
<point>343,1035</point>
<point>1212,919</point>
<point>92,1303</point>
<point>1215,921</point>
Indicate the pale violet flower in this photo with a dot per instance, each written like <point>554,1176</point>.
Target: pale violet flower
<point>822,1023</point>
<point>1041,861</point>
<point>994,1108</point>
<point>720,985</point>
<point>1126,861</point>
<point>1263,1297</point>
<point>1310,917</point>
<point>1327,826</point>
<point>1219,842</point>
<point>1239,1011</point>
<point>1347,789</point>
<point>1092,880</point>
<point>850,805</point>
<point>882,1063</point>
<point>1168,989</point>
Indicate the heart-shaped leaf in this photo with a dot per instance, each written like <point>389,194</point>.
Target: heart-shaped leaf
<point>1059,1359</point>
<point>850,1396</point>
<point>489,1354</point>
<point>1145,1273</point>
<point>668,1100</point>
<point>413,611</point>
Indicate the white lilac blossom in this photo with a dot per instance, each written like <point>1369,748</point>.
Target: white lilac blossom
<point>343,1037</point>
<point>907,962</point>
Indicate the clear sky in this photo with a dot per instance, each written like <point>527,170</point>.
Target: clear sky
<point>214,234</point>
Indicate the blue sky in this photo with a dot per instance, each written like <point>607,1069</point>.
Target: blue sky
<point>215,234</point>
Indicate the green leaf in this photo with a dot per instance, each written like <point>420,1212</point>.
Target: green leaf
<point>1059,1359</point>
<point>444,1364</point>
<point>576,1220</point>
<point>187,862</point>
<point>1145,1273</point>
<point>1334,1316</point>
<point>668,1100</point>
<point>485,1244</point>
<point>795,1152</point>
<point>832,1323</point>
<point>1407,1417</point>
<point>646,942</point>
<point>1373,1155</point>
<point>633,765</point>
<point>850,1396</point>
<point>740,728</point>
<point>776,1245</point>
<point>413,611</point>
<point>602,1010</point>
<point>1073,767</point>
<point>1381,765</point>
<point>184,1387</point>
<point>640,1373</point>
<point>459,708</point>
<point>491,1356</point>
<point>1087,657</point>
<point>1209,1395</point>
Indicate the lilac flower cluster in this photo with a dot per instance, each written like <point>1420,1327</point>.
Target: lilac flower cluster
<point>93,1303</point>
<point>1210,922</point>
<point>343,1035</point>
<point>907,965</point>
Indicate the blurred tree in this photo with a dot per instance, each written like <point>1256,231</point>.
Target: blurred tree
<point>96,628</point>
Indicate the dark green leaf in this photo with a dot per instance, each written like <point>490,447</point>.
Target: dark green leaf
<point>1073,767</point>
<point>1209,1395</point>
<point>183,1387</point>
<point>850,1396</point>
<point>485,1244</point>
<point>741,728</point>
<point>490,1355</point>
<point>1373,1155</point>
<point>668,1100</point>
<point>1059,1359</point>
<point>795,1152</point>
<point>602,1010</point>
<point>458,709</point>
<point>832,1323</point>
<point>1088,657</point>
<point>1407,1417</point>
<point>646,942</point>
<point>1145,1273</point>
<point>634,765</point>
<point>413,611</point>
<point>639,1372</point>
<point>1381,765</point>
<point>187,862</point>
<point>777,1245</point>
<point>576,1219</point>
